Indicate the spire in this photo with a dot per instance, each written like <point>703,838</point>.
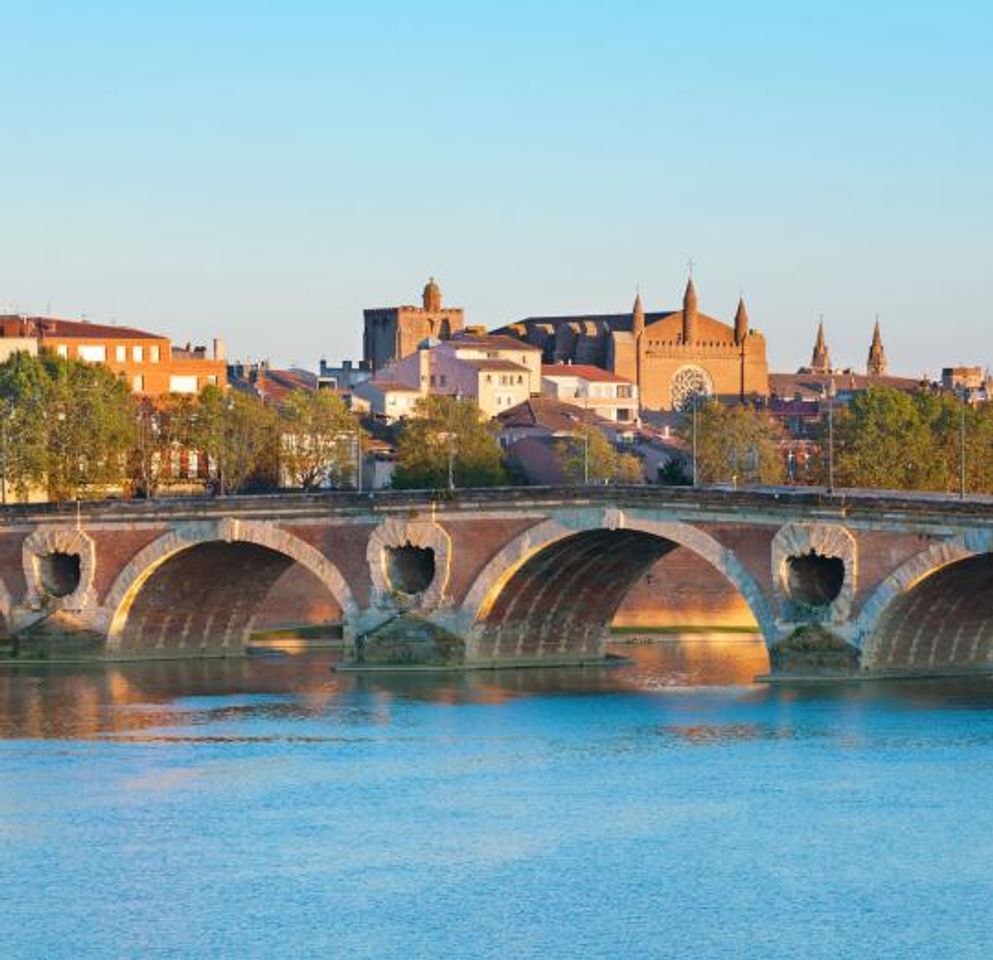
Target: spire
<point>689,312</point>
<point>638,317</point>
<point>820,359</point>
<point>740,322</point>
<point>877,366</point>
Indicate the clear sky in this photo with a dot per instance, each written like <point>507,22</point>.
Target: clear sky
<point>263,171</point>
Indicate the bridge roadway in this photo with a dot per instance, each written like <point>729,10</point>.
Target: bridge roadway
<point>842,583</point>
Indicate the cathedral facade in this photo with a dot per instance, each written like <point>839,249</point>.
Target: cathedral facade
<point>672,355</point>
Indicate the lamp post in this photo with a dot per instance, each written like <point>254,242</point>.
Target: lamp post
<point>449,437</point>
<point>694,398</point>
<point>831,393</point>
<point>962,446</point>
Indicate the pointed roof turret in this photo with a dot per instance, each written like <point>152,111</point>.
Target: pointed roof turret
<point>740,322</point>
<point>820,359</point>
<point>432,295</point>
<point>689,312</point>
<point>876,367</point>
<point>638,316</point>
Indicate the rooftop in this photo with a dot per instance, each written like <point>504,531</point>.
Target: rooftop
<point>78,329</point>
<point>552,415</point>
<point>583,371</point>
<point>492,341</point>
<point>487,364</point>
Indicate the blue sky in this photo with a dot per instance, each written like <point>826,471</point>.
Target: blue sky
<point>263,171</point>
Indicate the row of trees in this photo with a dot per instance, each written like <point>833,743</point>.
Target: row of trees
<point>883,438</point>
<point>71,429</point>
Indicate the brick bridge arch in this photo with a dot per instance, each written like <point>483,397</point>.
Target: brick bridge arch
<point>198,586</point>
<point>935,610</point>
<point>553,589</point>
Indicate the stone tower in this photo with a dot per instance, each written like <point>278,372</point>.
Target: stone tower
<point>689,313</point>
<point>432,296</point>
<point>820,359</point>
<point>877,366</point>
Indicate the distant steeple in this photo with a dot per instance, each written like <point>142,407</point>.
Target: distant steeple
<point>740,322</point>
<point>877,366</point>
<point>689,312</point>
<point>820,359</point>
<point>637,317</point>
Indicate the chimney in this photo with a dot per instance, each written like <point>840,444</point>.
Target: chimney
<point>219,352</point>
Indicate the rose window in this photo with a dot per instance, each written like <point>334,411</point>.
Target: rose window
<point>689,382</point>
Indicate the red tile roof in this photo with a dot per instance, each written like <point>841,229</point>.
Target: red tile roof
<point>582,370</point>
<point>81,329</point>
<point>495,365</point>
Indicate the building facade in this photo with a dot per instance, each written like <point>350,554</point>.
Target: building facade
<point>149,363</point>
<point>671,356</point>
<point>392,333</point>
<point>609,395</point>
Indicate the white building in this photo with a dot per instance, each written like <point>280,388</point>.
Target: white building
<point>611,396</point>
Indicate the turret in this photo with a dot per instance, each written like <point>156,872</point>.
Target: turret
<point>820,359</point>
<point>432,296</point>
<point>876,367</point>
<point>637,317</point>
<point>740,323</point>
<point>689,313</point>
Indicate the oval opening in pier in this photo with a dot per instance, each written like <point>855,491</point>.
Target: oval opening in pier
<point>815,580</point>
<point>59,573</point>
<point>410,569</point>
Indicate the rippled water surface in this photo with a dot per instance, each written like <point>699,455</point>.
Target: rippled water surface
<point>667,807</point>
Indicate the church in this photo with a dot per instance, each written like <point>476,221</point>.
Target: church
<point>671,355</point>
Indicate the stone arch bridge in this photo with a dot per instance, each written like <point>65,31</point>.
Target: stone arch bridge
<point>835,584</point>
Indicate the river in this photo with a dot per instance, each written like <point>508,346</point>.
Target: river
<point>666,807</point>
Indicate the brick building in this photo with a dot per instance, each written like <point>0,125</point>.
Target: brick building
<point>392,333</point>
<point>149,362</point>
<point>671,355</point>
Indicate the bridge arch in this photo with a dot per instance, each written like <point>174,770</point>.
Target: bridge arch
<point>935,610</point>
<point>555,587</point>
<point>199,585</point>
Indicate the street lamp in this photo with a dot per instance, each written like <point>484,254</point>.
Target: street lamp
<point>962,447</point>
<point>831,393</point>
<point>694,399</point>
<point>449,437</point>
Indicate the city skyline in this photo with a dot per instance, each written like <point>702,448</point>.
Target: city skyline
<point>211,171</point>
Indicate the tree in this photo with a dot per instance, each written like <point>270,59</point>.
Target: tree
<point>24,394</point>
<point>590,457</point>
<point>448,430</point>
<point>318,438</point>
<point>237,433</point>
<point>734,444</point>
<point>891,438</point>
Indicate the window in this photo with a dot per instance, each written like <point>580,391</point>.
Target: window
<point>153,354</point>
<point>432,380</point>
<point>624,414</point>
<point>182,384</point>
<point>63,351</point>
<point>623,392</point>
<point>137,383</point>
<point>120,353</point>
<point>175,468</point>
<point>192,464</point>
<point>212,379</point>
<point>138,354</point>
<point>93,352</point>
<point>443,380</point>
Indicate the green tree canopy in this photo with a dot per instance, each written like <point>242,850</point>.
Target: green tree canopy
<point>445,427</point>
<point>735,444</point>
<point>590,457</point>
<point>318,438</point>
<point>68,426</point>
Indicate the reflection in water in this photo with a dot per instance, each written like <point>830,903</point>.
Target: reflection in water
<point>662,806</point>
<point>128,698</point>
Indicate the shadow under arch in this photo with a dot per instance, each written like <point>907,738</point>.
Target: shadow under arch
<point>552,590</point>
<point>197,588</point>
<point>935,610</point>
